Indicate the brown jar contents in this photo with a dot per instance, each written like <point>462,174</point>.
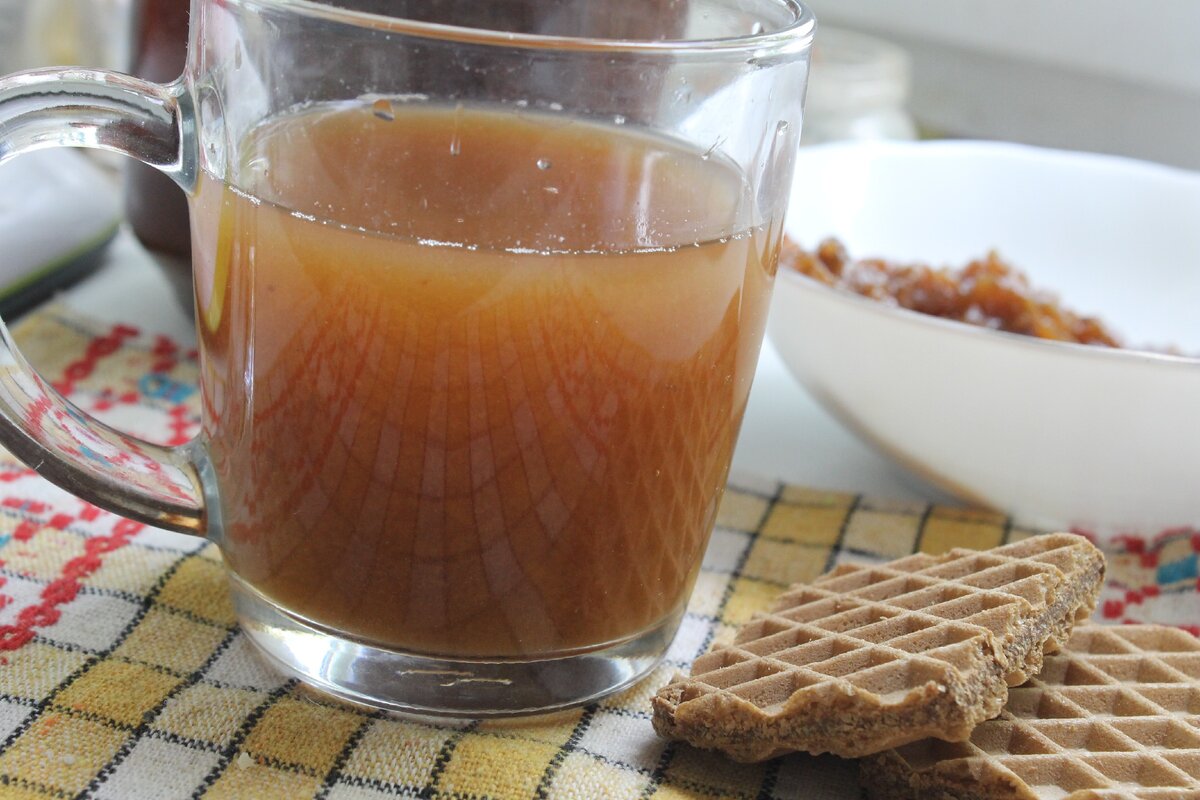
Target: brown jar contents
<point>986,292</point>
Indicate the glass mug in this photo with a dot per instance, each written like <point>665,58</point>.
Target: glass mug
<point>478,308</point>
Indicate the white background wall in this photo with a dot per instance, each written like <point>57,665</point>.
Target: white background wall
<point>1102,75</point>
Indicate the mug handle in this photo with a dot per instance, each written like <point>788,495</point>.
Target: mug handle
<point>154,124</point>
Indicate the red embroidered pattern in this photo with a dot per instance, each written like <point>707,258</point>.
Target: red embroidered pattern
<point>26,494</point>
<point>64,588</point>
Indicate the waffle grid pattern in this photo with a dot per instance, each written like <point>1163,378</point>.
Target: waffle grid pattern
<point>888,629</point>
<point>1115,714</point>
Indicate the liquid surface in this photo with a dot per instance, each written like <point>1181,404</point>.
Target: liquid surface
<point>473,379</point>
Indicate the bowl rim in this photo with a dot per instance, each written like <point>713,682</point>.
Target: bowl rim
<point>942,148</point>
<point>946,147</point>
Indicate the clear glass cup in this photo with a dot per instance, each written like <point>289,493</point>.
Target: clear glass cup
<point>480,289</point>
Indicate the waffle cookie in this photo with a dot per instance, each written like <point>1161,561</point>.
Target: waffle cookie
<point>869,658</point>
<point>1116,714</point>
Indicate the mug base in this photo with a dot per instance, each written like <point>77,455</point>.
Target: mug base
<point>414,683</point>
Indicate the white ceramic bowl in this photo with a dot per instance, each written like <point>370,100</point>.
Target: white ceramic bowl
<point>1056,434</point>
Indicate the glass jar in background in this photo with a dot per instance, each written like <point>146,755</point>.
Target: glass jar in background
<point>155,206</point>
<point>858,89</point>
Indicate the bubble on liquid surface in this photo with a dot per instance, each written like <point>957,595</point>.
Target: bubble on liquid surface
<point>543,164</point>
<point>382,108</point>
<point>619,119</point>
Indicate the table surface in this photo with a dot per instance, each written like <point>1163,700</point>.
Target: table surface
<point>786,435</point>
<point>265,741</point>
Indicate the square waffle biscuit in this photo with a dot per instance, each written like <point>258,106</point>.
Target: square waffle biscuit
<point>868,658</point>
<point>1116,714</point>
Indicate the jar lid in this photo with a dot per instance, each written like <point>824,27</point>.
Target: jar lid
<point>853,71</point>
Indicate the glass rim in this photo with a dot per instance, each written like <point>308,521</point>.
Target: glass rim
<point>794,37</point>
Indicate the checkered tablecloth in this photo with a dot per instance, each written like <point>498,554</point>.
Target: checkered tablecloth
<point>123,673</point>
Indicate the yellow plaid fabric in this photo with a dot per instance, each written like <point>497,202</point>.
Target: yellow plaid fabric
<point>123,673</point>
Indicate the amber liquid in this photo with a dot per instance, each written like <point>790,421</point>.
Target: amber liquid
<point>472,379</point>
